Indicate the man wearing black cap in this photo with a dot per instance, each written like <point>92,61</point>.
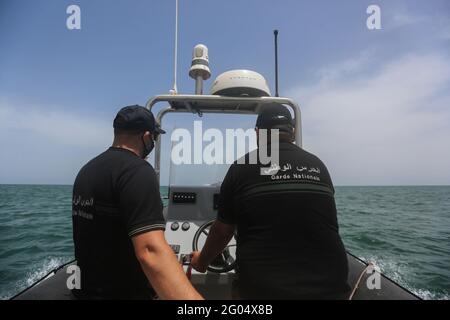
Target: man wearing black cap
<point>118,224</point>
<point>288,244</point>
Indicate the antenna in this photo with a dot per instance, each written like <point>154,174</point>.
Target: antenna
<point>275,33</point>
<point>200,67</point>
<point>175,58</point>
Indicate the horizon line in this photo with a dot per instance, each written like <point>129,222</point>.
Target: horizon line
<point>336,185</point>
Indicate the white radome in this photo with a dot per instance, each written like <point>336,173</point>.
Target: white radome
<point>240,83</point>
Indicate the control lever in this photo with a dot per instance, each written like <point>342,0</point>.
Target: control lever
<point>226,254</point>
<point>186,261</point>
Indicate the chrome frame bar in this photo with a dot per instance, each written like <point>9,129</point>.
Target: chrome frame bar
<point>188,100</point>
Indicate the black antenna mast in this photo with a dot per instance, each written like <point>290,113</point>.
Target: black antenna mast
<point>275,33</point>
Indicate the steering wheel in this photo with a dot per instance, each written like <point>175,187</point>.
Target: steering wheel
<point>225,261</point>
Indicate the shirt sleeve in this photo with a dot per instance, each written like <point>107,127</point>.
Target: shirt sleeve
<point>140,201</point>
<point>225,212</point>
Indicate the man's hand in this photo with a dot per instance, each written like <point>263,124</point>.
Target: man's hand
<point>161,267</point>
<point>219,236</point>
<point>196,263</point>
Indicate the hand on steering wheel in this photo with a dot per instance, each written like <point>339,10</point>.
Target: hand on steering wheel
<point>224,262</point>
<point>195,262</point>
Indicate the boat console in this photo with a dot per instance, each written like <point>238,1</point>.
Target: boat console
<point>189,214</point>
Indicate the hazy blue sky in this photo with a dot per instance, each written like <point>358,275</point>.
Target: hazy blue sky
<point>376,103</point>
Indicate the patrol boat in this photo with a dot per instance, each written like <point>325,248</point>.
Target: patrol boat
<point>191,209</point>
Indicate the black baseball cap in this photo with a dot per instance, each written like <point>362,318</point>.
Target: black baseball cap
<point>136,118</point>
<point>275,116</point>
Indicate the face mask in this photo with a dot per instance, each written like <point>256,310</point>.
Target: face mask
<point>147,148</point>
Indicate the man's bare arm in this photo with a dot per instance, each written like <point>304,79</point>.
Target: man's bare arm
<point>219,235</point>
<point>161,267</point>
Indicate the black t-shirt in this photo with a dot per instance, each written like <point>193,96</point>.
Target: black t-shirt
<point>115,197</point>
<point>287,231</point>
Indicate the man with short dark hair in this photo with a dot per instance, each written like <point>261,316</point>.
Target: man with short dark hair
<point>288,244</point>
<point>118,223</point>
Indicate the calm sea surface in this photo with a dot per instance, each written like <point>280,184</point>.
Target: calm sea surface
<point>404,230</point>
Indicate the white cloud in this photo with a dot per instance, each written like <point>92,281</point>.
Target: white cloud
<point>385,125</point>
<point>345,68</point>
<point>61,127</point>
<point>391,126</point>
<point>402,19</point>
<point>437,25</point>
<point>47,146</point>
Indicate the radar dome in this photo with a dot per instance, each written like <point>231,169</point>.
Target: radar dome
<point>238,83</point>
